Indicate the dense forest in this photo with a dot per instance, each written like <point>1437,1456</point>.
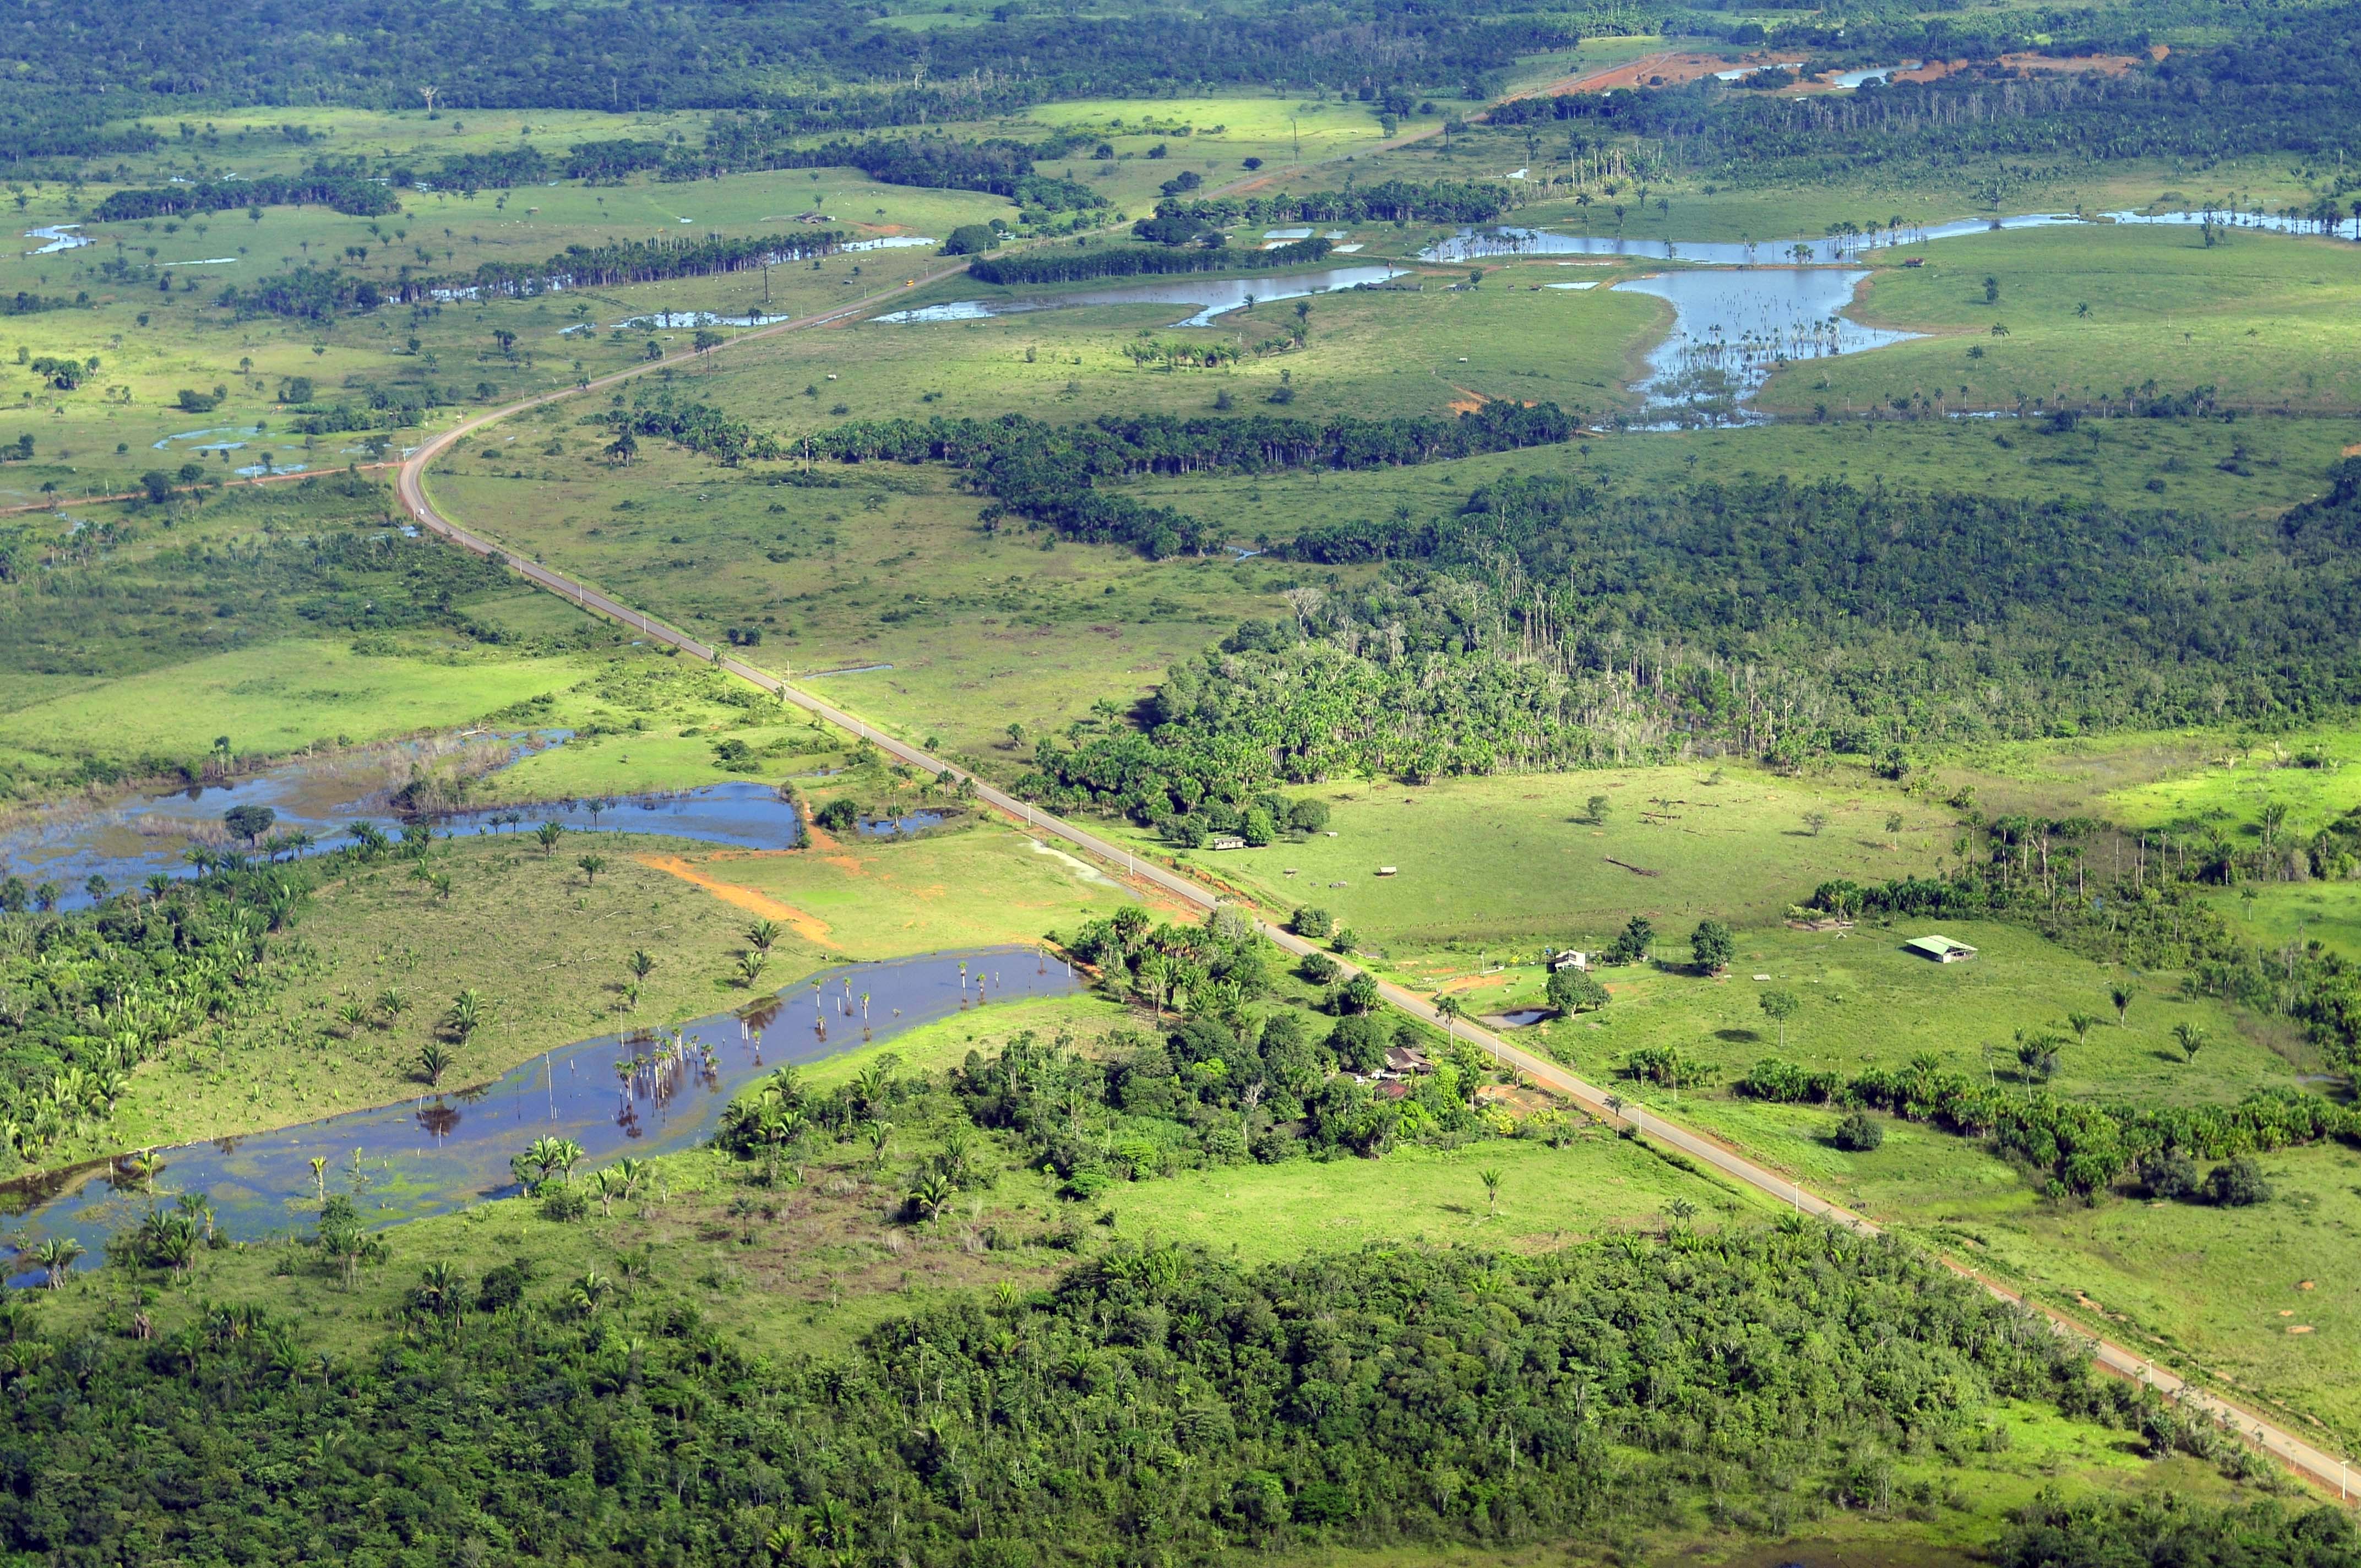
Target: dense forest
<point>2124,1532</point>
<point>828,65</point>
<point>1153,1399</point>
<point>1550,625</point>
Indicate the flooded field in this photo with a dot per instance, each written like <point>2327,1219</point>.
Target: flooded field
<point>320,803</point>
<point>1212,293</point>
<point>636,1093</point>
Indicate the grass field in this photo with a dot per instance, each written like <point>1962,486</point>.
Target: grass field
<point>2310,771</point>
<point>1511,862</point>
<point>888,568</point>
<point>1370,353</point>
<point>150,344</point>
<point>274,698</point>
<point>1865,1001</point>
<point>2263,319</point>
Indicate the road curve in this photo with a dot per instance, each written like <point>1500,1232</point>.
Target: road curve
<point>2329,1472</point>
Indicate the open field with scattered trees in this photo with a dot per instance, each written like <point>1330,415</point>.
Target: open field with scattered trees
<point>1414,617</point>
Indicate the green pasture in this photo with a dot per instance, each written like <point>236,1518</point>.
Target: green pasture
<point>1419,348</point>
<point>2328,913</point>
<point>277,697</point>
<point>1865,1001</point>
<point>2263,319</point>
<point>888,566</point>
<point>1548,1196</point>
<point>2310,771</point>
<point>249,139</point>
<point>1282,130</point>
<point>2285,462</point>
<point>186,341</point>
<point>974,884</point>
<point>1510,863</point>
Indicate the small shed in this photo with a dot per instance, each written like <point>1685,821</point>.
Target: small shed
<point>1226,841</point>
<point>1942,949</point>
<point>1385,871</point>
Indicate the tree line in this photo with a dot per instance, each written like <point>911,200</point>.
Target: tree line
<point>320,188</point>
<point>1391,201</point>
<point>1059,266</point>
<point>318,292</point>
<point>2081,1149</point>
<point>1047,472</point>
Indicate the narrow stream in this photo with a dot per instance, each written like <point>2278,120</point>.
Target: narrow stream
<point>630,1093</point>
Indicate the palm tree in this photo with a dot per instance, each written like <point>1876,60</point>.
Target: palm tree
<point>763,933</point>
<point>565,1155</point>
<point>750,969</point>
<point>1156,970</point>
<point>591,866</point>
<point>639,963</point>
<point>932,1193</point>
<point>352,1015</point>
<point>320,1176</point>
<point>588,1291</point>
<point>547,835</point>
<point>442,1291</point>
<point>56,1257</point>
<point>434,1059</point>
<point>779,1126</point>
<point>200,1208</point>
<point>609,1184</point>
<point>2081,1023</point>
<point>1491,1178</point>
<point>390,1001</point>
<point>633,1172</point>
<point>467,1013</point>
<point>2120,996</point>
<point>2190,1037</point>
<point>441,882</point>
<point>880,1134</point>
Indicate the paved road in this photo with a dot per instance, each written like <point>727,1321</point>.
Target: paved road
<point>2323,1468</point>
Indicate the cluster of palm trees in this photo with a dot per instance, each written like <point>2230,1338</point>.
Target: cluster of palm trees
<point>1850,236</point>
<point>550,1159</point>
<point>1178,356</point>
<point>761,937</point>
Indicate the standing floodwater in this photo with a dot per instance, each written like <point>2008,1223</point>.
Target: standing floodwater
<point>634,1094</point>
<point>1732,329</point>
